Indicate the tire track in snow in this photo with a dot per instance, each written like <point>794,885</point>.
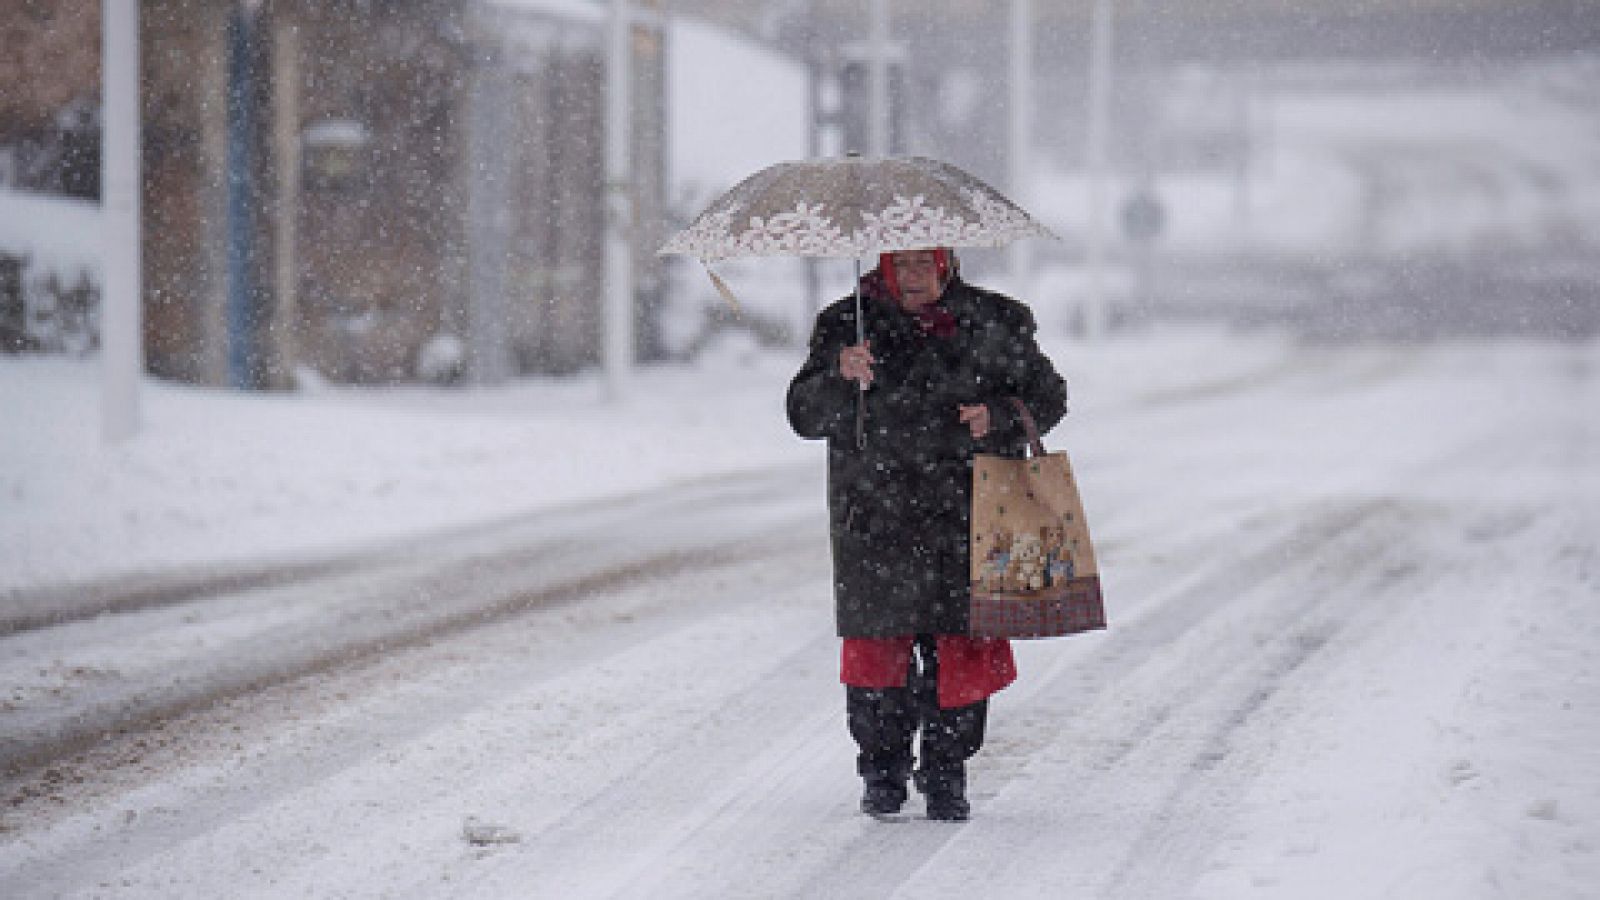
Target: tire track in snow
<point>1402,578</point>
<point>163,661</point>
<point>31,610</point>
<point>36,608</point>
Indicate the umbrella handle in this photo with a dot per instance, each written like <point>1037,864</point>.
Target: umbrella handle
<point>861,394</point>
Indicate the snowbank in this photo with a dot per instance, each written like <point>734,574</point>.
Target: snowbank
<point>55,234</point>
<point>220,477</point>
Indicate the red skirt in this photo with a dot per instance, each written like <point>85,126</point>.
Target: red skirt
<point>970,669</point>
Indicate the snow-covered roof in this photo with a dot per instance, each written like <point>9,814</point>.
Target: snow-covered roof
<point>336,132</point>
<point>584,11</point>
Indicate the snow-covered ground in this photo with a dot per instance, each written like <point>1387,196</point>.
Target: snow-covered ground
<point>224,477</point>
<point>1354,650</point>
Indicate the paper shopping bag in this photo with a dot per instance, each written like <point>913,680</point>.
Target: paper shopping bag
<point>1033,565</point>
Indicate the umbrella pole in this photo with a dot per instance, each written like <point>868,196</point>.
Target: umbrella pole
<point>861,395</point>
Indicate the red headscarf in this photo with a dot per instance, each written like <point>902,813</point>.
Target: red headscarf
<point>934,319</point>
<point>891,279</point>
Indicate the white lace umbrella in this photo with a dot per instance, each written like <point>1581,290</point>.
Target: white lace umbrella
<point>853,206</point>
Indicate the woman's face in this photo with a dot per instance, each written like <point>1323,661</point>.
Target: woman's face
<point>917,272</point>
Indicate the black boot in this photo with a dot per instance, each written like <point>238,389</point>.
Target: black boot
<point>885,781</point>
<point>883,796</point>
<point>946,794</point>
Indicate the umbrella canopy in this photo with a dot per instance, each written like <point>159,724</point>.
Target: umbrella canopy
<point>853,206</point>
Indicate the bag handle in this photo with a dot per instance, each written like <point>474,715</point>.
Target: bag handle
<point>1034,441</point>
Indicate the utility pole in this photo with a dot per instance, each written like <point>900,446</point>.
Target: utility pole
<point>286,206</point>
<point>878,79</point>
<point>249,288</point>
<point>1021,133</point>
<point>618,325</point>
<point>489,222</point>
<point>1094,311</point>
<point>814,113</point>
<point>121,347</point>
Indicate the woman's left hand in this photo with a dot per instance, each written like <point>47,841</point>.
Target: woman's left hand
<point>976,417</point>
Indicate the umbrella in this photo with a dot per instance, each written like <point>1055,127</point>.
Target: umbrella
<point>853,206</point>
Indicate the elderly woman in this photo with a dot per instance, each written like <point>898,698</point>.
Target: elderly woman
<point>903,412</point>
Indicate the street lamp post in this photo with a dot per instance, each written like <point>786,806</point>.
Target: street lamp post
<point>878,79</point>
<point>121,350</point>
<point>618,340</point>
<point>1021,131</point>
<point>1094,311</point>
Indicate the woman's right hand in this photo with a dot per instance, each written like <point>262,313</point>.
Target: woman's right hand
<point>855,363</point>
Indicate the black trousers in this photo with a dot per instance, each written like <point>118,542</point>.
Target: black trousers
<point>884,722</point>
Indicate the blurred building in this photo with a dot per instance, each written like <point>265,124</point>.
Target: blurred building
<point>368,189</point>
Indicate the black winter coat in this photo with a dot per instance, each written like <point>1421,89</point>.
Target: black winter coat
<point>899,507</point>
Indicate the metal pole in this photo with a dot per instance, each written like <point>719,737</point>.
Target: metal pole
<point>286,125</point>
<point>1094,312</point>
<point>244,284</point>
<point>122,352</point>
<point>813,275</point>
<point>618,340</point>
<point>878,80</point>
<point>1021,131</point>
<point>488,355</point>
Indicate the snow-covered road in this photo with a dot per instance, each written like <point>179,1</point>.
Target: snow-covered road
<point>1355,652</point>
<point>120,655</point>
